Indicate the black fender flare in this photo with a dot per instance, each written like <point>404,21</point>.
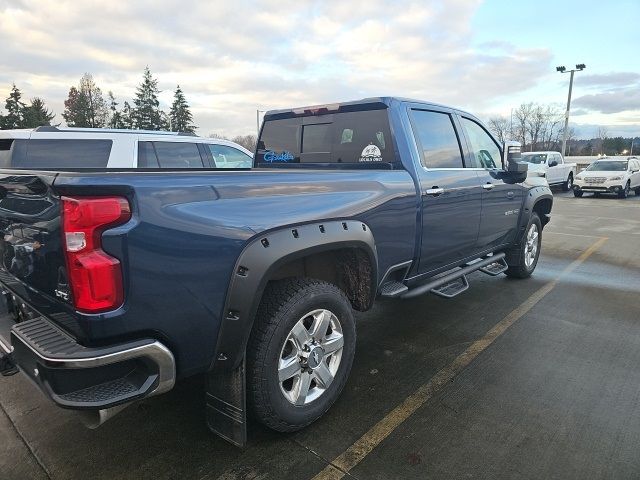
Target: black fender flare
<point>264,255</point>
<point>532,198</point>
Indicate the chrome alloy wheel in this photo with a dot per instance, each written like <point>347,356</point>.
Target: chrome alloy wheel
<point>310,357</point>
<point>531,247</point>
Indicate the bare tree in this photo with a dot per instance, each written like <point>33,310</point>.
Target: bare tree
<point>535,124</point>
<point>522,116</point>
<point>499,126</point>
<point>247,141</point>
<point>603,133</point>
<point>552,126</point>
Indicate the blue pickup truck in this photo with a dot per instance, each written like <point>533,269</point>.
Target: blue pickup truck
<point>118,283</point>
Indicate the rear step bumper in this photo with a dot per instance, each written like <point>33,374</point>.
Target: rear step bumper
<point>83,378</point>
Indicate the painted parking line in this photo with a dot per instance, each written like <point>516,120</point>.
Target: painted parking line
<point>357,452</point>
<point>573,234</point>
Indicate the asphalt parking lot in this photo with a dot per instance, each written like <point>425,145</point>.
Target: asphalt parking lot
<point>512,379</point>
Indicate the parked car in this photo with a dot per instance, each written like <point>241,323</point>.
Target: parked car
<point>53,147</point>
<point>608,175</point>
<point>120,282</point>
<point>552,166</point>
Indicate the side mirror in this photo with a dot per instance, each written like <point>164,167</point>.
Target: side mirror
<point>553,163</point>
<point>515,168</point>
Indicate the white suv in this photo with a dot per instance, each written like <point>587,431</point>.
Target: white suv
<point>75,148</point>
<point>609,175</point>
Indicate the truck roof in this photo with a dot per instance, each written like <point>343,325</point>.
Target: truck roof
<point>26,132</point>
<point>371,102</point>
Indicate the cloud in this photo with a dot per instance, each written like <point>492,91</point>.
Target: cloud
<point>614,101</point>
<point>616,79</point>
<point>232,58</point>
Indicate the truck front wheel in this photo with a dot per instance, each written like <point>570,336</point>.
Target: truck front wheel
<point>300,352</point>
<point>528,250</point>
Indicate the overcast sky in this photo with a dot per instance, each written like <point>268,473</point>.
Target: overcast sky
<point>232,58</point>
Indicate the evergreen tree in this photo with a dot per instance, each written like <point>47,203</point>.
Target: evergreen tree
<point>75,109</point>
<point>127,116</point>
<point>37,114</point>
<point>115,120</point>
<point>180,117</point>
<point>15,110</point>
<point>146,111</point>
<point>85,106</point>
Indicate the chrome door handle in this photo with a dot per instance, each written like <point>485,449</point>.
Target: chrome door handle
<point>434,191</point>
<point>488,186</point>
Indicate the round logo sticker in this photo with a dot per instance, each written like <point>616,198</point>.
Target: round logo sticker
<point>371,153</point>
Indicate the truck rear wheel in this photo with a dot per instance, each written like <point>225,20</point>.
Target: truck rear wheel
<point>528,251</point>
<point>300,352</point>
<point>568,185</point>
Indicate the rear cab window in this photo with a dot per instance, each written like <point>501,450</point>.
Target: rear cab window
<point>45,154</point>
<point>353,136</point>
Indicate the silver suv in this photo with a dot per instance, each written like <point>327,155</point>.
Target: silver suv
<point>77,148</point>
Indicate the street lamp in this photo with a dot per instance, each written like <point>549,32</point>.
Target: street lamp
<point>258,112</point>
<point>562,69</point>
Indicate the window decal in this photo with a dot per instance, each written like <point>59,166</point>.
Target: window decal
<point>371,153</point>
<point>271,156</point>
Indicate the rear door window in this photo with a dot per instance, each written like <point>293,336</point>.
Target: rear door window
<point>178,155</point>
<point>45,154</point>
<point>437,140</point>
<point>352,137</point>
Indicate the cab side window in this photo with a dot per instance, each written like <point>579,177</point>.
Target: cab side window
<point>485,152</point>
<point>178,155</point>
<point>437,139</point>
<point>147,156</point>
<point>229,157</point>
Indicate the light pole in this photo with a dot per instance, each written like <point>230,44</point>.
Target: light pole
<point>562,69</point>
<point>258,112</point>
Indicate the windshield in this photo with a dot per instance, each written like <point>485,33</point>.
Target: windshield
<point>537,158</point>
<point>608,166</point>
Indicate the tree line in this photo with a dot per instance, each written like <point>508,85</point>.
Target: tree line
<point>87,107</point>
<point>541,127</point>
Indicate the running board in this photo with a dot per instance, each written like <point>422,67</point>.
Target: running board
<point>437,285</point>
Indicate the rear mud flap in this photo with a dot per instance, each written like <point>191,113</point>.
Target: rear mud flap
<point>227,404</point>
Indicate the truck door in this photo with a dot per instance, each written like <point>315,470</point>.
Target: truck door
<point>501,197</point>
<point>451,194</point>
<point>555,173</point>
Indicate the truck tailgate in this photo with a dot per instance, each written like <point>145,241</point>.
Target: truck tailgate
<point>30,247</point>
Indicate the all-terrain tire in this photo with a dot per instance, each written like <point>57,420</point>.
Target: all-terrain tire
<point>521,268</point>
<point>284,304</point>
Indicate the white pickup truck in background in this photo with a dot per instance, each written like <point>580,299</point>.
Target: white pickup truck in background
<point>552,166</point>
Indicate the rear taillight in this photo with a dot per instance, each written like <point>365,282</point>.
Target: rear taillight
<point>95,278</point>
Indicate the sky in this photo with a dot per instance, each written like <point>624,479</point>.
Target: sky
<point>233,58</point>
